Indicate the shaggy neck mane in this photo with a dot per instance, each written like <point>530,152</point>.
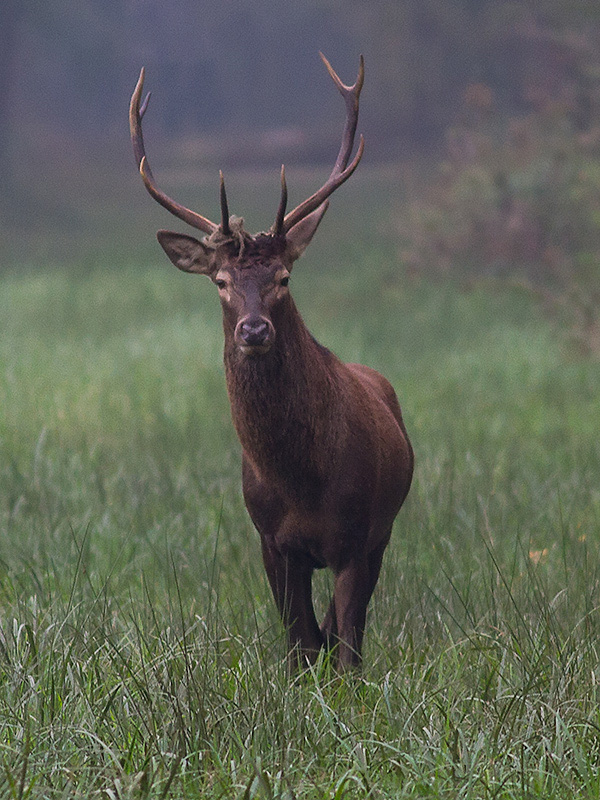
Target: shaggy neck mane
<point>282,403</point>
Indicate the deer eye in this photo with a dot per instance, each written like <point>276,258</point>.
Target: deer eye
<point>221,284</point>
<point>284,281</point>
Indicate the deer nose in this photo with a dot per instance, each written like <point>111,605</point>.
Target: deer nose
<point>254,332</point>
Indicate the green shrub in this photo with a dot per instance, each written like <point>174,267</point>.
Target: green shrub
<point>517,202</point>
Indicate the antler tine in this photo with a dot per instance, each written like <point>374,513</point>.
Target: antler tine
<point>279,217</point>
<point>341,170</point>
<point>224,207</point>
<point>350,95</point>
<point>136,112</point>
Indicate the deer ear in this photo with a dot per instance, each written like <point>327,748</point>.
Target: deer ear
<point>187,253</point>
<point>300,235</point>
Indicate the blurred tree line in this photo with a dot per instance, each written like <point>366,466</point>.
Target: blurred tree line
<point>222,66</point>
<point>514,197</point>
<point>493,104</point>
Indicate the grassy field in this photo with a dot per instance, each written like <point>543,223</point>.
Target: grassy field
<point>140,652</point>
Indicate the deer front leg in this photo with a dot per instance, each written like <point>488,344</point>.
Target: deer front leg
<point>291,583</point>
<point>350,598</point>
<point>354,587</point>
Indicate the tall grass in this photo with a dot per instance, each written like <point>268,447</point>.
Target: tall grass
<point>140,653</point>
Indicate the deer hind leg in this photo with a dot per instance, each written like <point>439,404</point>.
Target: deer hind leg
<point>291,583</point>
<point>329,626</point>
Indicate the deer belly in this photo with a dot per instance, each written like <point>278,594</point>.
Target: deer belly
<point>324,537</point>
<point>350,516</point>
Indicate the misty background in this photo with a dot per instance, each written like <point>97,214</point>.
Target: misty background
<point>483,114</point>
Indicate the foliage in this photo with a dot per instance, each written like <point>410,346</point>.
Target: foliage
<point>516,200</point>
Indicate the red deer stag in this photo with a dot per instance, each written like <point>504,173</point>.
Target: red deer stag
<point>326,461</point>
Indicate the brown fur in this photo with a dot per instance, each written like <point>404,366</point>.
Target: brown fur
<point>326,461</point>
<point>326,466</point>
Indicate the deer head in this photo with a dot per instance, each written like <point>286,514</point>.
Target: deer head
<point>251,272</point>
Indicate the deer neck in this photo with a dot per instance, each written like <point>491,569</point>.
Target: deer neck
<point>281,402</point>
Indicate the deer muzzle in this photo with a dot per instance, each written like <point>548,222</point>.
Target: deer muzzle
<point>254,335</point>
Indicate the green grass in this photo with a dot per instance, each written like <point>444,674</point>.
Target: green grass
<point>140,653</point>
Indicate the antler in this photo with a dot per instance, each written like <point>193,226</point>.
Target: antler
<point>136,112</point>
<point>341,170</point>
<point>280,216</point>
<point>283,223</point>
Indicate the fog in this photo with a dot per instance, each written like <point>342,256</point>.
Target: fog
<point>239,85</point>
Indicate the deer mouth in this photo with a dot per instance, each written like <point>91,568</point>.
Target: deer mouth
<point>255,349</point>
